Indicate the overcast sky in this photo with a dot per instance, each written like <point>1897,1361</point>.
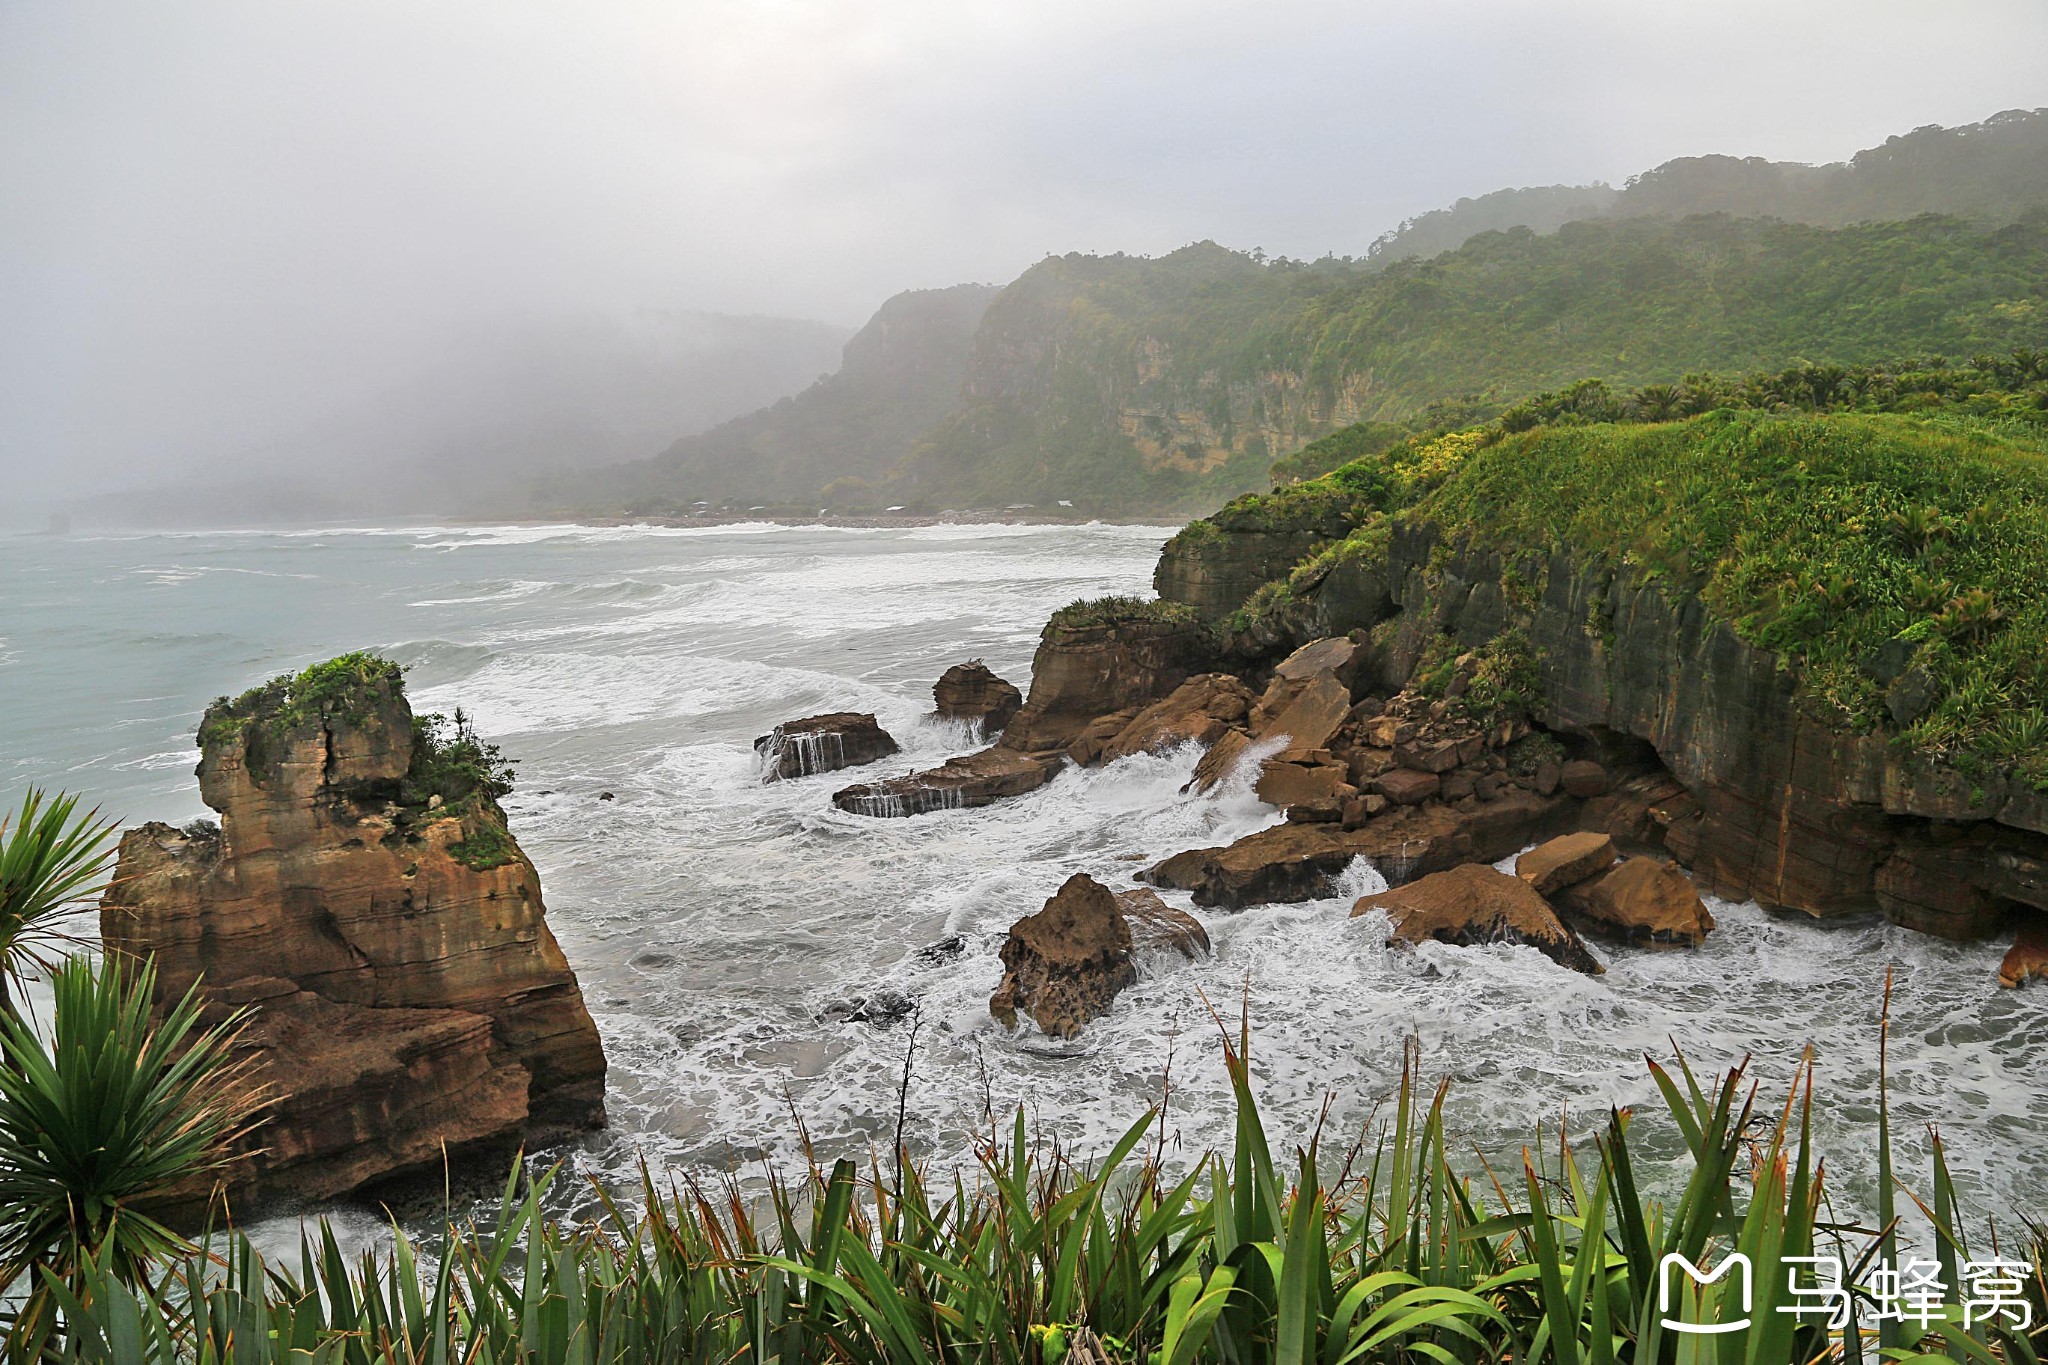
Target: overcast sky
<point>220,220</point>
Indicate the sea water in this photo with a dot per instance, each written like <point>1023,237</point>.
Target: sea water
<point>723,926</point>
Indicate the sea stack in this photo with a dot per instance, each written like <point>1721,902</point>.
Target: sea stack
<point>364,900</point>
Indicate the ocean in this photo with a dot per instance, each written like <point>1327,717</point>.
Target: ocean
<point>721,925</point>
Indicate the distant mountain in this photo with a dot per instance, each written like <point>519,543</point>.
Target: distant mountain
<point>1987,172</point>
<point>1125,384</point>
<point>900,375</point>
<point>469,435</point>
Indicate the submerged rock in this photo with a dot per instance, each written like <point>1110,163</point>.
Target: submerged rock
<point>970,691</point>
<point>1064,965</point>
<point>1476,904</point>
<point>823,744</point>
<point>976,779</point>
<point>409,1002</point>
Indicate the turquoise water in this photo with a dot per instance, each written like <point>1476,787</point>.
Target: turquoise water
<point>716,921</point>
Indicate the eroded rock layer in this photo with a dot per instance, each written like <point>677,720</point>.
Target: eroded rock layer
<point>392,947</point>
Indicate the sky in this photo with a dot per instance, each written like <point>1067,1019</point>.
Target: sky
<point>222,222</point>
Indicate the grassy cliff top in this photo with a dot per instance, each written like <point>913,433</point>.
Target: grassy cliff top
<point>1858,544</point>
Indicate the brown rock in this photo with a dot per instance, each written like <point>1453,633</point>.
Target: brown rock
<point>1201,710</point>
<point>1221,760</point>
<point>1086,748</point>
<point>1547,776</point>
<point>1283,783</point>
<point>971,692</point>
<point>1475,904</point>
<point>1566,860</point>
<point>1365,764</point>
<point>1641,900</point>
<point>1583,779</point>
<point>1312,717</point>
<point>1356,811</point>
<point>1407,787</point>
<point>1082,671</point>
<point>1296,862</point>
<point>1064,965</point>
<point>1427,755</point>
<point>406,990</point>
<point>1158,927</point>
<point>2028,956</point>
<point>1929,889</point>
<point>976,779</point>
<point>1457,785</point>
<point>822,744</point>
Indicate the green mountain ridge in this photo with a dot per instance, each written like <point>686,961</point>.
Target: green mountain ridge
<point>1127,385</point>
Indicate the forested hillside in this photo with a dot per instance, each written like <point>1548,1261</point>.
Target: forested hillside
<point>1126,385</point>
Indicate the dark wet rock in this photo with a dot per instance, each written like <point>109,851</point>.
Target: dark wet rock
<point>879,1009</point>
<point>1064,965</point>
<point>823,744</point>
<point>976,779</point>
<point>1296,862</point>
<point>1474,904</point>
<point>944,950</point>
<point>970,691</point>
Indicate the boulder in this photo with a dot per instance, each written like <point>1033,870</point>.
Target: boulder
<point>1428,756</point>
<point>1296,862</point>
<point>1564,861</point>
<point>1064,965</point>
<point>1476,904</point>
<point>1407,787</point>
<point>1310,716</point>
<point>822,744</point>
<point>1583,779</point>
<point>1086,747</point>
<point>1335,655</point>
<point>976,779</point>
<point>1201,710</point>
<point>1221,760</point>
<point>1090,665</point>
<point>971,692</point>
<point>1158,927</point>
<point>2028,956</point>
<point>408,999</point>
<point>1288,780</point>
<point>1639,900</point>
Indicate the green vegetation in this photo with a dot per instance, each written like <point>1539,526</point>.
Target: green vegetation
<point>264,719</point>
<point>1865,522</point>
<point>1401,1251</point>
<point>51,859</point>
<point>485,844</point>
<point>450,761</point>
<point>1111,611</point>
<point>1164,371</point>
<point>115,1109</point>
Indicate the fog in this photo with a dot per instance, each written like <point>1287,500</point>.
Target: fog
<point>228,228</point>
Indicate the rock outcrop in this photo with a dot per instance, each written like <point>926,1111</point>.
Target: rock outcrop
<point>976,779</point>
<point>1778,803</point>
<point>1064,965</point>
<point>1200,711</point>
<point>365,901</point>
<point>1298,861</point>
<point>823,744</point>
<point>2028,956</point>
<point>1639,900</point>
<point>971,692</point>
<point>1098,666</point>
<point>1566,861</point>
<point>1476,904</point>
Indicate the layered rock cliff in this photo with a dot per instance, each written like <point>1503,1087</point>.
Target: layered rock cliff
<point>1633,637</point>
<point>363,898</point>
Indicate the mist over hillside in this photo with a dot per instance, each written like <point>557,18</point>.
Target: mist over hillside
<point>468,435</point>
<point>1126,384</point>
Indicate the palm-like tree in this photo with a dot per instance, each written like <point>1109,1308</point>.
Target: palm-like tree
<point>51,858</point>
<point>116,1110</point>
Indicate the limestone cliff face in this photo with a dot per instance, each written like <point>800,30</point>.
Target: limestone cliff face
<point>1087,669</point>
<point>1791,811</point>
<point>406,991</point>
